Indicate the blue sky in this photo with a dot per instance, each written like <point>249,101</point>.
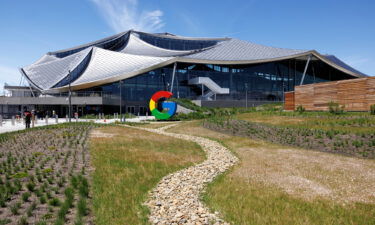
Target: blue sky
<point>29,29</point>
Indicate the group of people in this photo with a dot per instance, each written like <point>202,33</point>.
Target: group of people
<point>29,115</point>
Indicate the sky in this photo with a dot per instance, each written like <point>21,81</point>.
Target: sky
<point>29,29</point>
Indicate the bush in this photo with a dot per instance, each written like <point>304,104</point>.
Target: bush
<point>54,202</point>
<point>335,108</point>
<point>23,221</point>
<point>82,207</point>
<point>30,186</point>
<point>300,109</point>
<point>15,207</point>
<point>26,196</point>
<point>372,109</point>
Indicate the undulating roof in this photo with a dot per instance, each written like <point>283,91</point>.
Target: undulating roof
<point>131,53</point>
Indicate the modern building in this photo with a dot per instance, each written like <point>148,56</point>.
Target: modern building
<point>124,70</point>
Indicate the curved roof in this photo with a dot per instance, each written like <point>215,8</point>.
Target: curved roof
<point>131,53</point>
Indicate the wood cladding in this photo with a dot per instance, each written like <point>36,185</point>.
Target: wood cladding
<point>355,94</point>
<point>289,100</point>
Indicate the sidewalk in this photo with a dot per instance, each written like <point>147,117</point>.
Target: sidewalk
<point>19,125</point>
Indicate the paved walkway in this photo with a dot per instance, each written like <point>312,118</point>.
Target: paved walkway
<point>176,198</point>
<point>7,126</point>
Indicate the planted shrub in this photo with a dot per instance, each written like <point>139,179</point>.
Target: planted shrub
<point>82,207</point>
<point>22,221</point>
<point>335,108</point>
<point>30,186</point>
<point>300,109</point>
<point>26,196</point>
<point>372,109</point>
<point>42,199</point>
<point>15,207</point>
<point>54,202</point>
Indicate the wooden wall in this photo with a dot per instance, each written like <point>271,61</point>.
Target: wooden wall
<point>356,94</point>
<point>289,100</point>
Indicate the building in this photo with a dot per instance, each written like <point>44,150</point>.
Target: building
<point>124,70</point>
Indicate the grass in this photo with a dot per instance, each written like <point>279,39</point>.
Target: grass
<point>242,202</point>
<point>128,165</point>
<point>259,190</point>
<point>352,122</point>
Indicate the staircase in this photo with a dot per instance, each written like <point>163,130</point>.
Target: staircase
<point>213,87</point>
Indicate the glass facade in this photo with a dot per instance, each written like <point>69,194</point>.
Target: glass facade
<point>262,82</point>
<point>176,44</point>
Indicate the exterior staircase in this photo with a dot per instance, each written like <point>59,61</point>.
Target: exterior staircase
<point>213,88</point>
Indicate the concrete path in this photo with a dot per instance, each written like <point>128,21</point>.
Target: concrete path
<point>176,198</point>
<point>7,126</point>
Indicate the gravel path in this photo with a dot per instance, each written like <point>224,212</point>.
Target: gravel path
<point>176,198</point>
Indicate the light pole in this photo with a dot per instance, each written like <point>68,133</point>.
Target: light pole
<point>70,99</point>
<point>120,100</point>
<point>246,94</point>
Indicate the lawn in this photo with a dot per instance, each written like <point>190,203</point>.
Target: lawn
<point>276,184</point>
<point>127,164</point>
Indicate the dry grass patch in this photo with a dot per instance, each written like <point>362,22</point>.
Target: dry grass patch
<point>275,184</point>
<point>130,164</point>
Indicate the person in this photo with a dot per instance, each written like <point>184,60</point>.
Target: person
<point>27,115</point>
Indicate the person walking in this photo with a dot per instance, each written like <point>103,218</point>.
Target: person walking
<point>27,115</point>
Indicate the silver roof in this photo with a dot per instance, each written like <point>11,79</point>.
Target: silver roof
<point>126,54</point>
<point>238,50</point>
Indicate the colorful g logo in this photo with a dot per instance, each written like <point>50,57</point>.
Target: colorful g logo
<point>170,106</point>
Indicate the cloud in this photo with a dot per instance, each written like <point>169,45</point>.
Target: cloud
<point>122,15</point>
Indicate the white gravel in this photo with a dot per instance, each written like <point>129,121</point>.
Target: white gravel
<point>176,198</point>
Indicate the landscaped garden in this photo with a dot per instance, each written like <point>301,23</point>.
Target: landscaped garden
<point>349,133</point>
<point>278,184</point>
<point>128,164</point>
<point>44,176</point>
<point>82,173</point>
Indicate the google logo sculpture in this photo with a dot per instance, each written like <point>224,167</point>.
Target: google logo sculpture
<point>170,107</point>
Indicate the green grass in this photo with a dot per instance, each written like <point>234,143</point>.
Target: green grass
<point>351,122</point>
<point>243,202</point>
<point>130,164</point>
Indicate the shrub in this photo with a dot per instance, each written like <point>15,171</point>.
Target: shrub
<point>62,212</point>
<point>372,109</point>
<point>26,196</point>
<point>43,222</point>
<point>20,175</point>
<point>82,207</point>
<point>69,196</point>
<point>300,109</point>
<point>54,202</point>
<point>23,221</point>
<point>42,199</point>
<point>2,202</point>
<point>30,186</point>
<point>15,207</point>
<point>74,181</point>
<point>4,221</point>
<point>335,108</point>
<point>84,187</point>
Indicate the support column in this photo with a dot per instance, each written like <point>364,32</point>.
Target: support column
<point>304,72</point>
<point>173,74</point>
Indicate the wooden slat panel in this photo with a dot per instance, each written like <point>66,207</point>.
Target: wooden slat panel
<point>355,94</point>
<point>289,101</point>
